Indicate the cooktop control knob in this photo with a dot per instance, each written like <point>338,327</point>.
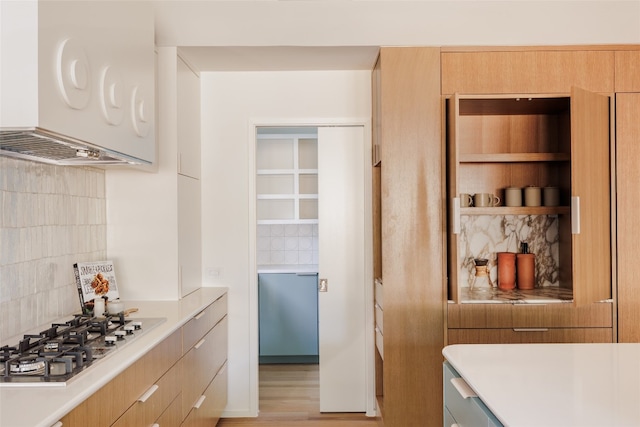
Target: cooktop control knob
<point>129,329</point>
<point>120,334</point>
<point>136,324</point>
<point>110,340</point>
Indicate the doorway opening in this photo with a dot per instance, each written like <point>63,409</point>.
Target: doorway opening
<point>287,257</point>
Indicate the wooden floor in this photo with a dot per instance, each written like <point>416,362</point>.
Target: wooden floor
<point>289,396</point>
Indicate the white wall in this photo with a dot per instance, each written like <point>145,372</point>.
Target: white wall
<point>232,104</point>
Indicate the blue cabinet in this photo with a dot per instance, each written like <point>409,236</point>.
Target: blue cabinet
<point>461,409</point>
<point>288,315</point>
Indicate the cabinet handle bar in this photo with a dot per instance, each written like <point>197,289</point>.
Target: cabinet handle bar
<point>147,394</point>
<point>199,402</point>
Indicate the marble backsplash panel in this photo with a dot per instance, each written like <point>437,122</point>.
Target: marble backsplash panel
<point>483,236</point>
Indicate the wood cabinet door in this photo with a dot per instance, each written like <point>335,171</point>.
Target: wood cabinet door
<point>591,197</point>
<point>526,71</point>
<point>627,204</point>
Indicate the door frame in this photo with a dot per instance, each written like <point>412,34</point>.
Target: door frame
<point>252,231</point>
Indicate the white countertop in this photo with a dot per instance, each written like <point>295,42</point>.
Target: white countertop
<point>43,406</point>
<point>288,268</point>
<point>554,384</point>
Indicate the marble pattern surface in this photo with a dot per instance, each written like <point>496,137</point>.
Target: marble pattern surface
<point>483,236</point>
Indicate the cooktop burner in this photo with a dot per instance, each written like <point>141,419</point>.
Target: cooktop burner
<point>64,350</point>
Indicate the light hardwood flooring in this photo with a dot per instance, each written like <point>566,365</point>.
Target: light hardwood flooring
<point>289,396</point>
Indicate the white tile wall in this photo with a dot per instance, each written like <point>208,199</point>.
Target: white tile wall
<point>50,218</point>
<point>287,244</point>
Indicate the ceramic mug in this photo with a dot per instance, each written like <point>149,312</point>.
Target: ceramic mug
<point>513,196</point>
<point>466,200</point>
<point>532,196</point>
<point>551,196</point>
<point>483,200</point>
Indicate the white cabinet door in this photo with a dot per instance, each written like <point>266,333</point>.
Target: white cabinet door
<point>342,234</point>
<point>189,238</point>
<point>188,120</point>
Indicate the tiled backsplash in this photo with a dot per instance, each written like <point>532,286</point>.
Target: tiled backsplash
<point>483,236</point>
<point>51,217</point>
<point>287,244</point>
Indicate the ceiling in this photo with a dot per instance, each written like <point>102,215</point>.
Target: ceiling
<point>280,58</point>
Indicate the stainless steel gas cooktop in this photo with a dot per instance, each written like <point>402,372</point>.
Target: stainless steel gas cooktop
<point>64,350</point>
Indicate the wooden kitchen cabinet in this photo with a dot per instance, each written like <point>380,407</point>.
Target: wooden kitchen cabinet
<point>627,74</point>
<point>205,353</point>
<point>410,253</point>
<point>209,406</point>
<point>499,141</point>
<point>532,70</point>
<point>163,385</point>
<point>627,208</point>
<point>120,395</point>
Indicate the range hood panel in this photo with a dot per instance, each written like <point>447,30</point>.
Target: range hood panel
<point>81,90</point>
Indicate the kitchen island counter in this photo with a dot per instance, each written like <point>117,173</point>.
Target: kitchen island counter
<point>32,405</point>
<point>553,384</point>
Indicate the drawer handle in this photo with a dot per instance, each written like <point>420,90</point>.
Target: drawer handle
<point>58,424</point>
<point>379,306</point>
<point>463,388</point>
<point>156,425</point>
<point>530,329</point>
<point>148,393</point>
<point>199,344</point>
<point>199,315</point>
<point>199,402</point>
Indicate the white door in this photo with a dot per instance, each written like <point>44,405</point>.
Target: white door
<point>341,311</point>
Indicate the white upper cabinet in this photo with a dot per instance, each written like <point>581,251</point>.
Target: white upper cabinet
<point>188,120</point>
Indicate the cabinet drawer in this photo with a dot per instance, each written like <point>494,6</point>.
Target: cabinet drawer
<point>201,323</point>
<point>540,335</point>
<point>555,315</point>
<point>479,315</point>
<point>151,404</point>
<point>597,315</point>
<point>208,408</point>
<point>202,362</point>
<point>172,416</point>
<point>469,411</point>
<point>379,318</point>
<point>106,405</point>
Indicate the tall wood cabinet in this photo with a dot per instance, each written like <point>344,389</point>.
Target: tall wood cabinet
<point>533,116</point>
<point>411,235</point>
<point>628,197</point>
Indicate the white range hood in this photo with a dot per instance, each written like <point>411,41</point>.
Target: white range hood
<point>77,81</point>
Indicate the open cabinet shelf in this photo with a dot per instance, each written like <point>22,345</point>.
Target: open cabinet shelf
<point>501,141</point>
